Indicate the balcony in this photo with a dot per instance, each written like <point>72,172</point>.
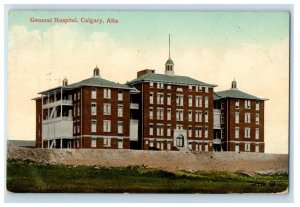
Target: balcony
<point>64,118</point>
<point>217,141</point>
<point>217,119</point>
<point>58,103</point>
<point>134,106</point>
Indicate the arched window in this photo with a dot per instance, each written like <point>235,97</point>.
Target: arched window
<point>180,141</point>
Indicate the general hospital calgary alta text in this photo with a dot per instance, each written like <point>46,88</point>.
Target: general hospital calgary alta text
<point>74,20</point>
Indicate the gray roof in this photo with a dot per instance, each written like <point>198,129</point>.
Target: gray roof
<point>97,81</point>
<point>174,79</point>
<point>169,62</point>
<point>235,93</point>
<point>93,81</point>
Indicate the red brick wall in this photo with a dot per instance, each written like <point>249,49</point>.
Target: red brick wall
<point>145,92</point>
<point>85,117</point>
<point>230,123</point>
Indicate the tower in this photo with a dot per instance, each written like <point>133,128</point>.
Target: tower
<point>234,84</point>
<point>97,72</point>
<point>169,66</point>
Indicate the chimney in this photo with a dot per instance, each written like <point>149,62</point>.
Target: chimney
<point>144,72</point>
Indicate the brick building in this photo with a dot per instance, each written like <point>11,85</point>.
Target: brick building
<point>152,112</point>
<point>91,113</point>
<point>239,123</point>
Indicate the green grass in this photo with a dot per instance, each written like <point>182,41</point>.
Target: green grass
<point>27,176</point>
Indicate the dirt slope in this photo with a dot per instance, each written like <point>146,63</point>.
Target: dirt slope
<point>224,161</point>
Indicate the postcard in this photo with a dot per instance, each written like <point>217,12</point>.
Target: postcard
<point>148,102</point>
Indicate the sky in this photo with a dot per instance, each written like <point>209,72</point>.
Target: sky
<point>213,47</point>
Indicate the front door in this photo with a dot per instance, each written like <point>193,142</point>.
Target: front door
<point>237,147</point>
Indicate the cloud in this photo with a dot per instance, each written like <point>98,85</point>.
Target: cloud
<point>40,60</point>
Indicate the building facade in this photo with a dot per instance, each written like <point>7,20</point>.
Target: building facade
<point>93,113</point>
<point>240,122</point>
<point>152,112</point>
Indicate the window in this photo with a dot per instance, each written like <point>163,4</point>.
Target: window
<point>106,126</point>
<point>198,116</point>
<point>160,113</point>
<point>206,102</point>
<point>78,95</point>
<point>198,131</point>
<point>190,88</point>
<point>179,115</point>
<point>75,110</point>
<point>151,98</point>
<point>107,93</point>
<point>199,88</point>
<point>256,147</point>
<point>206,132</point>
<point>222,104</point>
<point>78,127</point>
<point>93,109</point>
<point>247,117</point>
<point>206,116</point>
<point>160,85</point>
<point>190,115</point>
<point>257,133</point>
<point>247,132</point>
<point>120,95</point>
<point>179,141</point>
<point>222,133</point>
<point>247,104</point>
<point>257,105</point>
<point>206,89</point>
<point>75,94</point>
<point>160,130</point>
<point>150,129</point>
<point>120,143</point>
<point>93,125</point>
<point>190,100</point>
<point>151,84</point>
<point>190,131</point>
<point>106,109</point>
<point>160,98</point>
<point>190,145</point>
<point>237,132</point>
<point>179,100</point>
<point>151,113</point>
<point>151,143</point>
<point>179,88</point>
<point>94,94</point>
<point>168,114</point>
<point>237,117</point>
<point>78,110</point>
<point>94,142</point>
<point>222,118</point>
<point>120,110</point>
<point>169,87</point>
<point>120,127</point>
<point>106,142</point>
<point>169,99</point>
<point>237,104</point>
<point>168,130</point>
<point>198,101</point>
<point>179,126</point>
<point>257,118</point>
<point>247,147</point>
<point>74,128</point>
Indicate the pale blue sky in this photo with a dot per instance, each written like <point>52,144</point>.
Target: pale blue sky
<point>213,29</point>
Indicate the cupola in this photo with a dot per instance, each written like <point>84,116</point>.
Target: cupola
<point>169,66</point>
<point>96,72</point>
